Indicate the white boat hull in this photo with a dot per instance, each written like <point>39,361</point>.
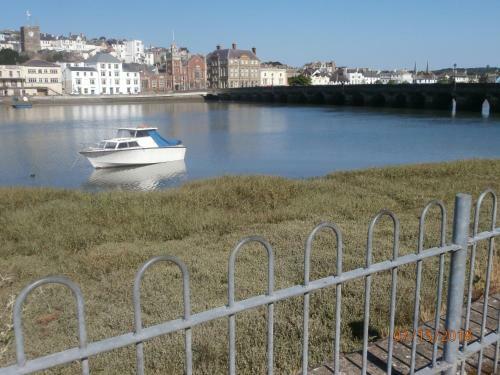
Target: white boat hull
<point>139,156</point>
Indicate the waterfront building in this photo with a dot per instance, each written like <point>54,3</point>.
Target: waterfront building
<point>81,80</point>
<point>113,79</point>
<point>196,72</point>
<point>42,77</point>
<point>178,75</point>
<point>232,67</point>
<point>273,75</point>
<point>12,80</point>
<point>30,39</point>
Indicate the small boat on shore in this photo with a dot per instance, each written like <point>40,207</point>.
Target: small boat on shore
<point>21,103</point>
<point>134,146</point>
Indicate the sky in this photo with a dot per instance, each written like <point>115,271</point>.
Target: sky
<point>380,34</point>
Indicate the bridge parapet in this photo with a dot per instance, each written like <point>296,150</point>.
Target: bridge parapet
<point>469,97</point>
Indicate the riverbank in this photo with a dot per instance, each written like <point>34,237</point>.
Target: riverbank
<point>100,240</point>
<point>110,99</point>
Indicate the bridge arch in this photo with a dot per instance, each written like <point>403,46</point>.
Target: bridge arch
<point>417,100</point>
<point>377,100</point>
<point>358,99</point>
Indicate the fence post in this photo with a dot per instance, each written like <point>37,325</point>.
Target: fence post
<point>456,283</point>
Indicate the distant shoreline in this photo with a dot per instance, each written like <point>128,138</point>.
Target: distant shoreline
<point>108,99</point>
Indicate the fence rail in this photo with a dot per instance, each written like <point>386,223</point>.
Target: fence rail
<point>455,353</point>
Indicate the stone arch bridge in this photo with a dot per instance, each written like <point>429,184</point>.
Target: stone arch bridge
<point>468,97</point>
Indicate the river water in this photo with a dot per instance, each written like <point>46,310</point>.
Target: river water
<point>39,146</point>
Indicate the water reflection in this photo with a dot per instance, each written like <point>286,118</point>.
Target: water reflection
<point>143,178</point>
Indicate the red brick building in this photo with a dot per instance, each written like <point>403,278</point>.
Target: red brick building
<point>181,71</point>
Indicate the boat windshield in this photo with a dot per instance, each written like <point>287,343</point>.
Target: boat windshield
<point>101,144</point>
<point>125,133</point>
<point>110,145</point>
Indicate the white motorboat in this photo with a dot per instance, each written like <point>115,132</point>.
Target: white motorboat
<point>134,146</point>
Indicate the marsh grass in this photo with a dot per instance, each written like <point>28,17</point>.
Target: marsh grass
<point>100,240</point>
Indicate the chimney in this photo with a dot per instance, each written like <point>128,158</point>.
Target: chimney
<point>218,46</point>
<point>254,50</point>
<point>234,45</point>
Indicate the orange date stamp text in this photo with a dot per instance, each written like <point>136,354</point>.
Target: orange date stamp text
<point>429,335</point>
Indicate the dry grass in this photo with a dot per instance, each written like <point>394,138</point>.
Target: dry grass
<point>100,240</point>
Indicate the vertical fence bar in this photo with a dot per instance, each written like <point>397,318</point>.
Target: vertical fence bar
<point>497,350</point>
<point>488,269</point>
<point>368,280</point>
<point>307,263</point>
<point>138,316</point>
<point>456,286</point>
<point>416,312</point>
<point>437,315</point>
<point>270,306</point>
<point>80,308</point>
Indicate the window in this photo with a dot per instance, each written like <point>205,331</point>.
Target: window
<point>103,74</point>
<point>54,80</point>
<point>86,91</point>
<point>77,74</point>
<point>116,66</point>
<point>117,73</point>
<point>136,82</point>
<point>103,66</point>
<point>128,81</point>
<point>117,81</point>
<point>110,145</point>
<point>103,81</point>
<point>141,133</point>
<point>92,82</point>
<point>109,66</point>
<point>133,144</point>
<point>123,145</point>
<point>78,81</point>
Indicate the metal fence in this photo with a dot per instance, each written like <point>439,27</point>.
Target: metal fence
<point>455,353</point>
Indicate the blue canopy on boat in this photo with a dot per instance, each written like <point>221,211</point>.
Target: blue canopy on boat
<point>162,142</point>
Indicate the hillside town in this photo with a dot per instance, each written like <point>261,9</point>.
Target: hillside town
<point>44,64</point>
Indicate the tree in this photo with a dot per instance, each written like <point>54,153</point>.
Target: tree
<point>300,80</point>
<point>10,57</point>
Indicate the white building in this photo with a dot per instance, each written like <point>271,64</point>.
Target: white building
<point>75,43</point>
<point>273,75</point>
<point>370,77</point>
<point>112,78</point>
<point>354,77</point>
<point>81,80</point>
<point>425,78</point>
<point>130,51</point>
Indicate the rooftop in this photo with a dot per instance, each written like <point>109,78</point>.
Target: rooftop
<point>232,53</point>
<point>102,57</point>
<point>81,69</point>
<point>40,63</point>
